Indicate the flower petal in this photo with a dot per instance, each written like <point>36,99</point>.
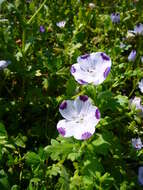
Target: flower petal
<point>66,128</point>
<point>82,104</point>
<point>67,109</point>
<point>80,74</point>
<point>83,130</point>
<point>86,127</point>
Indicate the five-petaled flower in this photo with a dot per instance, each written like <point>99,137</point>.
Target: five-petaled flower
<point>138,29</point>
<point>141,85</point>
<point>81,117</point>
<point>42,29</point>
<point>91,68</point>
<point>61,24</point>
<point>132,55</point>
<point>140,175</point>
<point>115,17</point>
<point>137,143</point>
<point>136,102</point>
<point>4,64</point>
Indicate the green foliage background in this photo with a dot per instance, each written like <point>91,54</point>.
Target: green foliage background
<point>32,155</point>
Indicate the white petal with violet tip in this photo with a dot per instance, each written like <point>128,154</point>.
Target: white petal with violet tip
<point>84,130</point>
<point>66,128</point>
<point>82,104</point>
<point>67,109</point>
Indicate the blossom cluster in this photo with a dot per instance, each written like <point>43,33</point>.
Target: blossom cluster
<point>80,115</point>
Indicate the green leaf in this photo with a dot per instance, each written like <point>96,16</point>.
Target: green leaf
<point>32,158</point>
<point>101,145</point>
<point>20,140</point>
<point>4,184</point>
<point>2,130</point>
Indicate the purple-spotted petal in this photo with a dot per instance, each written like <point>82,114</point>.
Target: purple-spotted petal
<point>80,81</point>
<point>83,98</point>
<point>86,135</point>
<point>67,109</point>
<point>106,72</point>
<point>82,104</point>
<point>65,127</point>
<point>105,57</point>
<point>62,131</point>
<point>83,130</point>
<point>63,105</point>
<point>73,70</point>
<point>97,114</point>
<point>85,56</point>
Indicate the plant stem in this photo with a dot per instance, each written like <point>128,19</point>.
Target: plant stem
<point>38,10</point>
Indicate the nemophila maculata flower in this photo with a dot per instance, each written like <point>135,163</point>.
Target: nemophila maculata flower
<point>4,64</point>
<point>132,55</point>
<point>61,24</point>
<point>138,29</point>
<point>137,143</point>
<point>141,85</point>
<point>115,18</point>
<point>91,68</point>
<point>91,5</point>
<point>81,117</point>
<point>140,175</point>
<point>42,29</point>
<point>136,102</point>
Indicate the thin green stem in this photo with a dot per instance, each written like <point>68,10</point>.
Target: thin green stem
<point>38,10</point>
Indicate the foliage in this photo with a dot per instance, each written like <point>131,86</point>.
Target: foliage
<point>32,155</point>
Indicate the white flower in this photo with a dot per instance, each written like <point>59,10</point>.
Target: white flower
<point>61,24</point>
<point>91,5</point>
<point>91,68</point>
<point>141,85</point>
<point>122,45</point>
<point>137,143</point>
<point>140,175</point>
<point>136,102</point>
<point>81,117</point>
<point>130,34</point>
<point>4,64</point>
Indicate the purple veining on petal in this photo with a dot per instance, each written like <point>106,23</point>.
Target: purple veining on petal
<point>106,72</point>
<point>61,131</point>
<point>83,98</point>
<point>105,57</point>
<point>84,56</point>
<point>63,105</point>
<point>82,81</point>
<point>97,114</point>
<point>86,135</point>
<point>73,70</point>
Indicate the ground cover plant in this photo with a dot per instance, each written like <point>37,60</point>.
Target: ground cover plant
<point>71,95</point>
